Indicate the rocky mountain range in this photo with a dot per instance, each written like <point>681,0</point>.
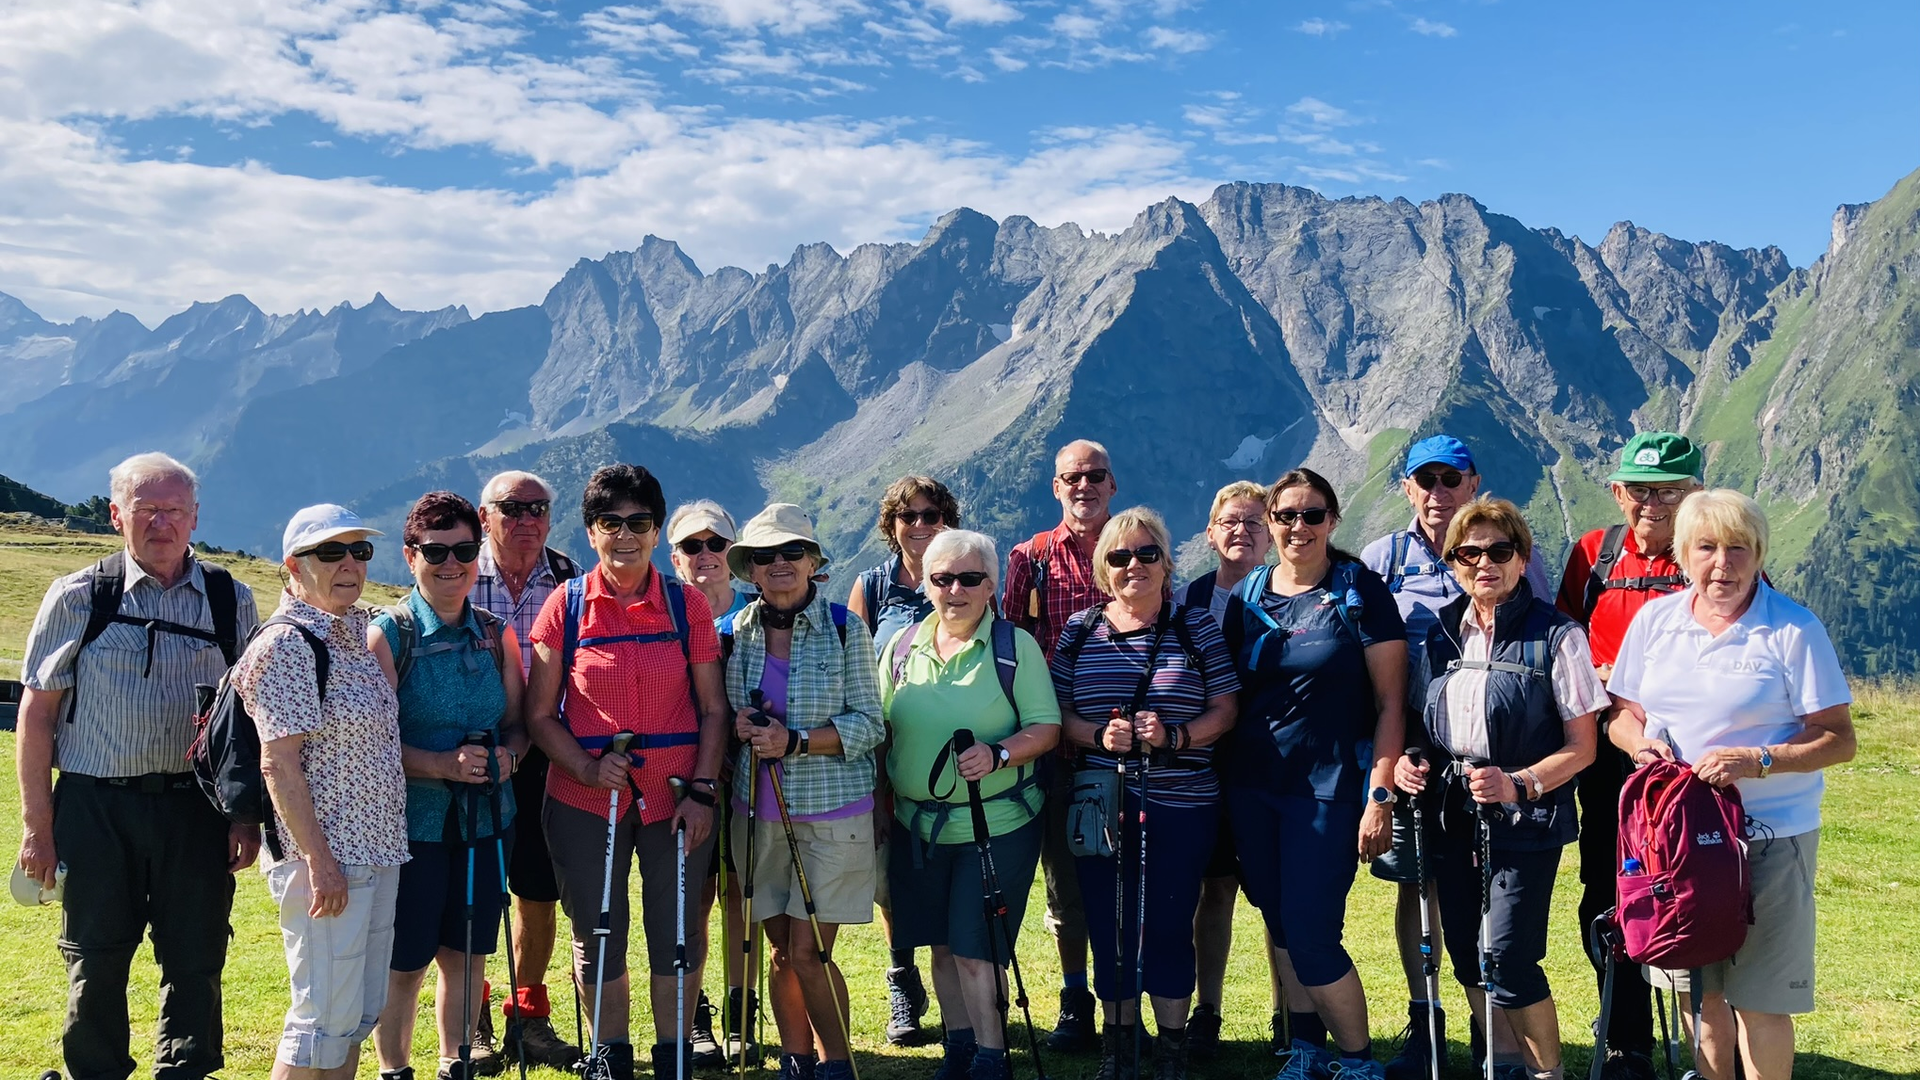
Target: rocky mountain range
<point>1262,328</point>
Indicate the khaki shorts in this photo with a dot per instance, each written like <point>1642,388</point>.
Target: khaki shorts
<point>1773,971</point>
<point>838,858</point>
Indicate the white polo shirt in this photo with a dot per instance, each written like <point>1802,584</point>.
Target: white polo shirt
<point>1748,687</point>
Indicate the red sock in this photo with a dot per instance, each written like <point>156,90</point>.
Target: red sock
<point>531,1000</point>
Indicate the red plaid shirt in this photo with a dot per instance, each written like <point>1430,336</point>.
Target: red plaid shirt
<point>1069,586</point>
<point>634,686</point>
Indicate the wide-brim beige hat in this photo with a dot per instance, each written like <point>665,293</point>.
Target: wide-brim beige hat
<point>779,523</point>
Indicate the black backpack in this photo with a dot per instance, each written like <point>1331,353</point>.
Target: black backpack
<point>107,584</point>
<point>226,746</point>
<point>1613,543</point>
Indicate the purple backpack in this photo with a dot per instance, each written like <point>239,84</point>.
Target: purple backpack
<point>1684,892</point>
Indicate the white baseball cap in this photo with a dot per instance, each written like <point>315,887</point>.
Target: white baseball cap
<point>316,525</point>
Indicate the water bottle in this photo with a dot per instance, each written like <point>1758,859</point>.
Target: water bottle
<point>1630,867</point>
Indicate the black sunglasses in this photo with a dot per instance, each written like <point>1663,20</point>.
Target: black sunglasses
<point>920,517</point>
<point>435,554</point>
<point>971,579</point>
<point>637,524</point>
<point>1428,480</point>
<point>691,547</point>
<point>1315,516</point>
<point>335,551</point>
<point>516,508</point>
<point>792,553</point>
<point>1470,555</point>
<point>1148,554</point>
<point>1091,476</point>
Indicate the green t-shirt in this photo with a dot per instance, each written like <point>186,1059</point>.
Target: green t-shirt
<point>936,698</point>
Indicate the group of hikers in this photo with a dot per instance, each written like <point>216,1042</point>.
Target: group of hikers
<point>501,746</point>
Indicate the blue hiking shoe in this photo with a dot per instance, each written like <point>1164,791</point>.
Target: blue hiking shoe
<point>958,1062</point>
<point>1358,1070</point>
<point>1306,1062</point>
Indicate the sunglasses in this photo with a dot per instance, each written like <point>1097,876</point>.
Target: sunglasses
<point>1091,476</point>
<point>920,517</point>
<point>792,553</point>
<point>515,508</point>
<point>1667,496</point>
<point>335,551</point>
<point>1470,555</point>
<point>466,551</point>
<point>1430,480</point>
<point>1147,554</point>
<point>1315,516</point>
<point>971,579</point>
<point>691,547</point>
<point>637,524</point>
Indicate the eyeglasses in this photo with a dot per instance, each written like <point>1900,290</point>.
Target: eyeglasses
<point>792,553</point>
<point>1315,516</point>
<point>920,517</point>
<point>517,508</point>
<point>971,579</point>
<point>335,551</point>
<point>691,547</point>
<point>1668,496</point>
<point>1428,480</point>
<point>1230,524</point>
<point>637,524</point>
<point>1091,476</point>
<point>466,551</point>
<point>1147,554</point>
<point>1470,555</point>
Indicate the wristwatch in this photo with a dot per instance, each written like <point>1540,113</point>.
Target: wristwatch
<point>1382,796</point>
<point>1766,762</point>
<point>1002,757</point>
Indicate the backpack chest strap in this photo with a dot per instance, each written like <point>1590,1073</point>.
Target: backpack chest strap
<point>642,742</point>
<point>1494,665</point>
<point>616,639</point>
<point>1667,582</point>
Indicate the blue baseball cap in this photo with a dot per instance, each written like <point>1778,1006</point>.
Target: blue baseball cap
<point>1439,450</point>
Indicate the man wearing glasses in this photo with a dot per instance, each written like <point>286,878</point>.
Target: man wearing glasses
<point>1439,479</point>
<point>1611,574</point>
<point>517,572</point>
<point>1049,578</point>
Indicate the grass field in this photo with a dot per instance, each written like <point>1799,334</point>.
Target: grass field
<point>1868,1023</point>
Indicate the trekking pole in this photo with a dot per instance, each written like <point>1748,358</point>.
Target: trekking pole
<point>1429,971</point>
<point>761,719</point>
<point>679,789</point>
<point>1140,925</point>
<point>750,971</point>
<point>1119,845</point>
<point>1483,828</point>
<point>474,738</point>
<point>994,900</point>
<point>595,1066</point>
<point>506,910</point>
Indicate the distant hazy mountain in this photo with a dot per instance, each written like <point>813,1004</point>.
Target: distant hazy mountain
<point>1236,338</point>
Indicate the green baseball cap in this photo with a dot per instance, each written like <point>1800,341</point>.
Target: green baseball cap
<point>1653,457</point>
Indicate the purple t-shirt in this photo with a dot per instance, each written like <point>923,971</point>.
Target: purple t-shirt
<point>773,684</point>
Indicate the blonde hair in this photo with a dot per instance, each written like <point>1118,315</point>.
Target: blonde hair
<point>1239,489</point>
<point>1721,514</point>
<point>1132,519</point>
<point>1493,513</point>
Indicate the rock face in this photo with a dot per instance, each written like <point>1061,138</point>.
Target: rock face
<point>1266,327</point>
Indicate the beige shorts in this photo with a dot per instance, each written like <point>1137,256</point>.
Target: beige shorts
<point>1773,971</point>
<point>838,858</point>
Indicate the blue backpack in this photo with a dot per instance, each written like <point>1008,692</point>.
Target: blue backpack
<point>675,596</point>
<point>1263,638</point>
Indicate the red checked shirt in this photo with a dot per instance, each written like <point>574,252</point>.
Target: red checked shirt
<point>1069,587</point>
<point>634,686</point>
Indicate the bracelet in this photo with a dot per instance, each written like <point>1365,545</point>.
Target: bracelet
<point>793,741</point>
<point>709,781</point>
<point>1533,782</point>
<point>513,763</point>
<point>1520,790</point>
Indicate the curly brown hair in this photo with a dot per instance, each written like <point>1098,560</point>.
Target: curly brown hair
<point>438,510</point>
<point>900,494</point>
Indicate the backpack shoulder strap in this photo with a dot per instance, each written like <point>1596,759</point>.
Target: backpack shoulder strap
<point>902,647</point>
<point>1006,663</point>
<point>675,595</point>
<point>1184,636</point>
<point>840,615</point>
<point>1612,544</point>
<point>725,629</point>
<point>873,590</point>
<point>223,603</point>
<point>107,583</point>
<point>493,634</point>
<point>322,656</point>
<point>562,567</point>
<point>1397,562</point>
<point>570,625</point>
<point>1079,639</point>
<point>1346,595</point>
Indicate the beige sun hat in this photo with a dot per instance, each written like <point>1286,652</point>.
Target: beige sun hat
<point>779,523</point>
<point>703,516</point>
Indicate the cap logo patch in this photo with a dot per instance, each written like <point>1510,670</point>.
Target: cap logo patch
<point>1647,456</point>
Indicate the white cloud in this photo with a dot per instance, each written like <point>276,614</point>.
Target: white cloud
<point>977,11</point>
<point>1182,41</point>
<point>1314,111</point>
<point>782,16</point>
<point>1075,25</point>
<point>1317,27</point>
<point>1431,28</point>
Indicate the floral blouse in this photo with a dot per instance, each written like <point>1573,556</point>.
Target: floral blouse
<point>351,749</point>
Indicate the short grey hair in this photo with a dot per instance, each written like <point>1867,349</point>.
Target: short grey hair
<point>502,482</point>
<point>1083,444</point>
<point>145,469</point>
<point>951,544</point>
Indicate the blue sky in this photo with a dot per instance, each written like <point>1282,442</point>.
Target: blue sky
<point>468,152</point>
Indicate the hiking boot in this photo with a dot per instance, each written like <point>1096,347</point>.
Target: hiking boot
<point>736,1022</point>
<point>1277,1043</point>
<point>1627,1065</point>
<point>1415,1059</point>
<point>1170,1051</point>
<point>1358,1070</point>
<point>404,1072</point>
<point>1203,1033</point>
<point>1305,1062</point>
<point>475,1066</point>
<point>1116,1053</point>
<point>991,1067</point>
<point>1074,1031</point>
<point>1510,1070</point>
<point>830,1069</point>
<point>620,1061</point>
<point>798,1066</point>
<point>906,1004</point>
<point>958,1062</point>
<point>542,1044</point>
<point>706,1049</point>
<point>665,1065</point>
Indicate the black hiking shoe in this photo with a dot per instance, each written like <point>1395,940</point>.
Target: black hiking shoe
<point>1203,1033</point>
<point>906,1004</point>
<point>1170,1051</point>
<point>1415,1059</point>
<point>1073,1033</point>
<point>706,1049</point>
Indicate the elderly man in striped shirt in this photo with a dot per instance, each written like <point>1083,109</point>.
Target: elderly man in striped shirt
<point>110,669</point>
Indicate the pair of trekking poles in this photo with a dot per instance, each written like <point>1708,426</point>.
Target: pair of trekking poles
<point>1457,770</point>
<point>1144,763</point>
<point>471,794</point>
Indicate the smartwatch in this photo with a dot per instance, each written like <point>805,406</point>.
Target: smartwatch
<point>806,742</point>
<point>1382,796</point>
